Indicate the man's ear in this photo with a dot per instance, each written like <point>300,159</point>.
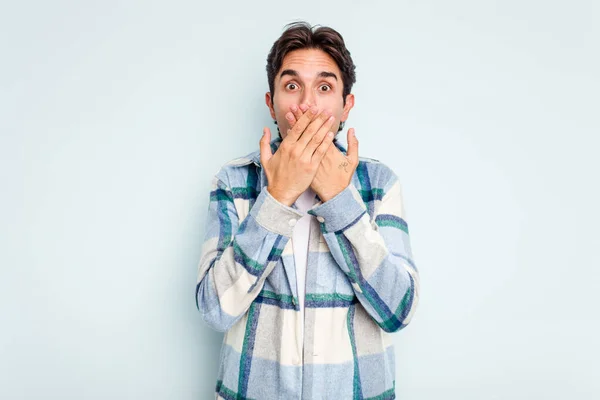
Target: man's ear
<point>269,104</point>
<point>348,106</point>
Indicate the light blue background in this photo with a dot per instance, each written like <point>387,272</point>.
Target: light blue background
<point>115,115</point>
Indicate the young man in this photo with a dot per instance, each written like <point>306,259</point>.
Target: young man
<point>306,263</point>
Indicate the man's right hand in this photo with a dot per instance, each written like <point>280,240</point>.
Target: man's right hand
<point>292,168</point>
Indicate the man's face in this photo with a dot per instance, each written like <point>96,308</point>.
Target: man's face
<point>311,77</point>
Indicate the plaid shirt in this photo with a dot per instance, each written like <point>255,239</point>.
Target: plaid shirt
<point>361,285</point>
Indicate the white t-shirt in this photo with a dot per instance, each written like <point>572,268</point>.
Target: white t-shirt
<point>300,237</point>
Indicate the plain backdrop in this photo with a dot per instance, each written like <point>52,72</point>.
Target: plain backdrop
<point>114,116</point>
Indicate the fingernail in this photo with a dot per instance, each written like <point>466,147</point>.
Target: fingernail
<point>294,108</point>
<point>314,109</point>
<point>303,107</point>
<point>289,116</point>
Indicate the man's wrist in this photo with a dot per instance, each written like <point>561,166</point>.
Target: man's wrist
<point>282,198</point>
<point>326,196</point>
<point>340,211</point>
<point>273,215</point>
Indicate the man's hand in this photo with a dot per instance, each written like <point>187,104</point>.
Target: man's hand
<point>292,168</point>
<point>336,169</point>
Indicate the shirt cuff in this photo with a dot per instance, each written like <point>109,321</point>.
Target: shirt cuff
<point>274,215</point>
<point>341,210</point>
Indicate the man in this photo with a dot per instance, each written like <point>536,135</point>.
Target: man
<point>306,263</point>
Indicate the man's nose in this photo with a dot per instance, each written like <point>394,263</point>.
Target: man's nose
<point>308,98</point>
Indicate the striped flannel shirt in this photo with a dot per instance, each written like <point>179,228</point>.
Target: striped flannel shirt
<point>361,285</point>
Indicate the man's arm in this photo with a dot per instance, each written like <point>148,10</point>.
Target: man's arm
<point>237,256</point>
<point>376,257</point>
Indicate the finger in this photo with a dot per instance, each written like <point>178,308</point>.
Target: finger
<point>265,146</point>
<point>323,121</point>
<point>322,149</point>
<point>313,141</point>
<point>291,119</point>
<point>352,152</point>
<point>301,124</point>
<point>296,111</point>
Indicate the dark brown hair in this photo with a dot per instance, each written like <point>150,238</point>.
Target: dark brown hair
<point>300,35</point>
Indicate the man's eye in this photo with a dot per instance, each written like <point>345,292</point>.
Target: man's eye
<point>291,86</point>
<point>327,88</point>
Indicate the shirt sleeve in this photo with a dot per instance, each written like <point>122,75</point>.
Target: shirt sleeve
<point>375,254</point>
<point>237,256</point>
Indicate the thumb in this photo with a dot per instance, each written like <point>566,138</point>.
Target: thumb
<point>352,152</point>
<point>265,146</point>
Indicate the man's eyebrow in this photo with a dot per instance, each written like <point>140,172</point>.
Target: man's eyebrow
<point>327,74</point>
<point>290,72</point>
<point>322,74</point>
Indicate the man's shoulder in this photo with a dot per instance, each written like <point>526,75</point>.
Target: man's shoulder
<point>377,173</point>
<point>243,161</point>
<point>368,160</point>
<point>374,164</point>
<point>234,172</point>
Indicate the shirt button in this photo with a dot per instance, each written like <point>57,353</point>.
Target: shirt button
<point>293,221</point>
<point>320,219</point>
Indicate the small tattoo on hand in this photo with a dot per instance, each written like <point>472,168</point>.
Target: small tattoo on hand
<point>343,165</point>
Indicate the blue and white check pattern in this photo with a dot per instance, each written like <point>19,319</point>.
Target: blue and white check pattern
<point>361,285</point>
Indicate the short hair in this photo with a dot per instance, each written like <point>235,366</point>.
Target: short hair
<point>300,35</point>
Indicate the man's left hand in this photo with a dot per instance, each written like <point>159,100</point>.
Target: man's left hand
<point>336,169</point>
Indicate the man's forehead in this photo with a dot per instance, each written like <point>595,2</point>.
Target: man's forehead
<point>309,63</point>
